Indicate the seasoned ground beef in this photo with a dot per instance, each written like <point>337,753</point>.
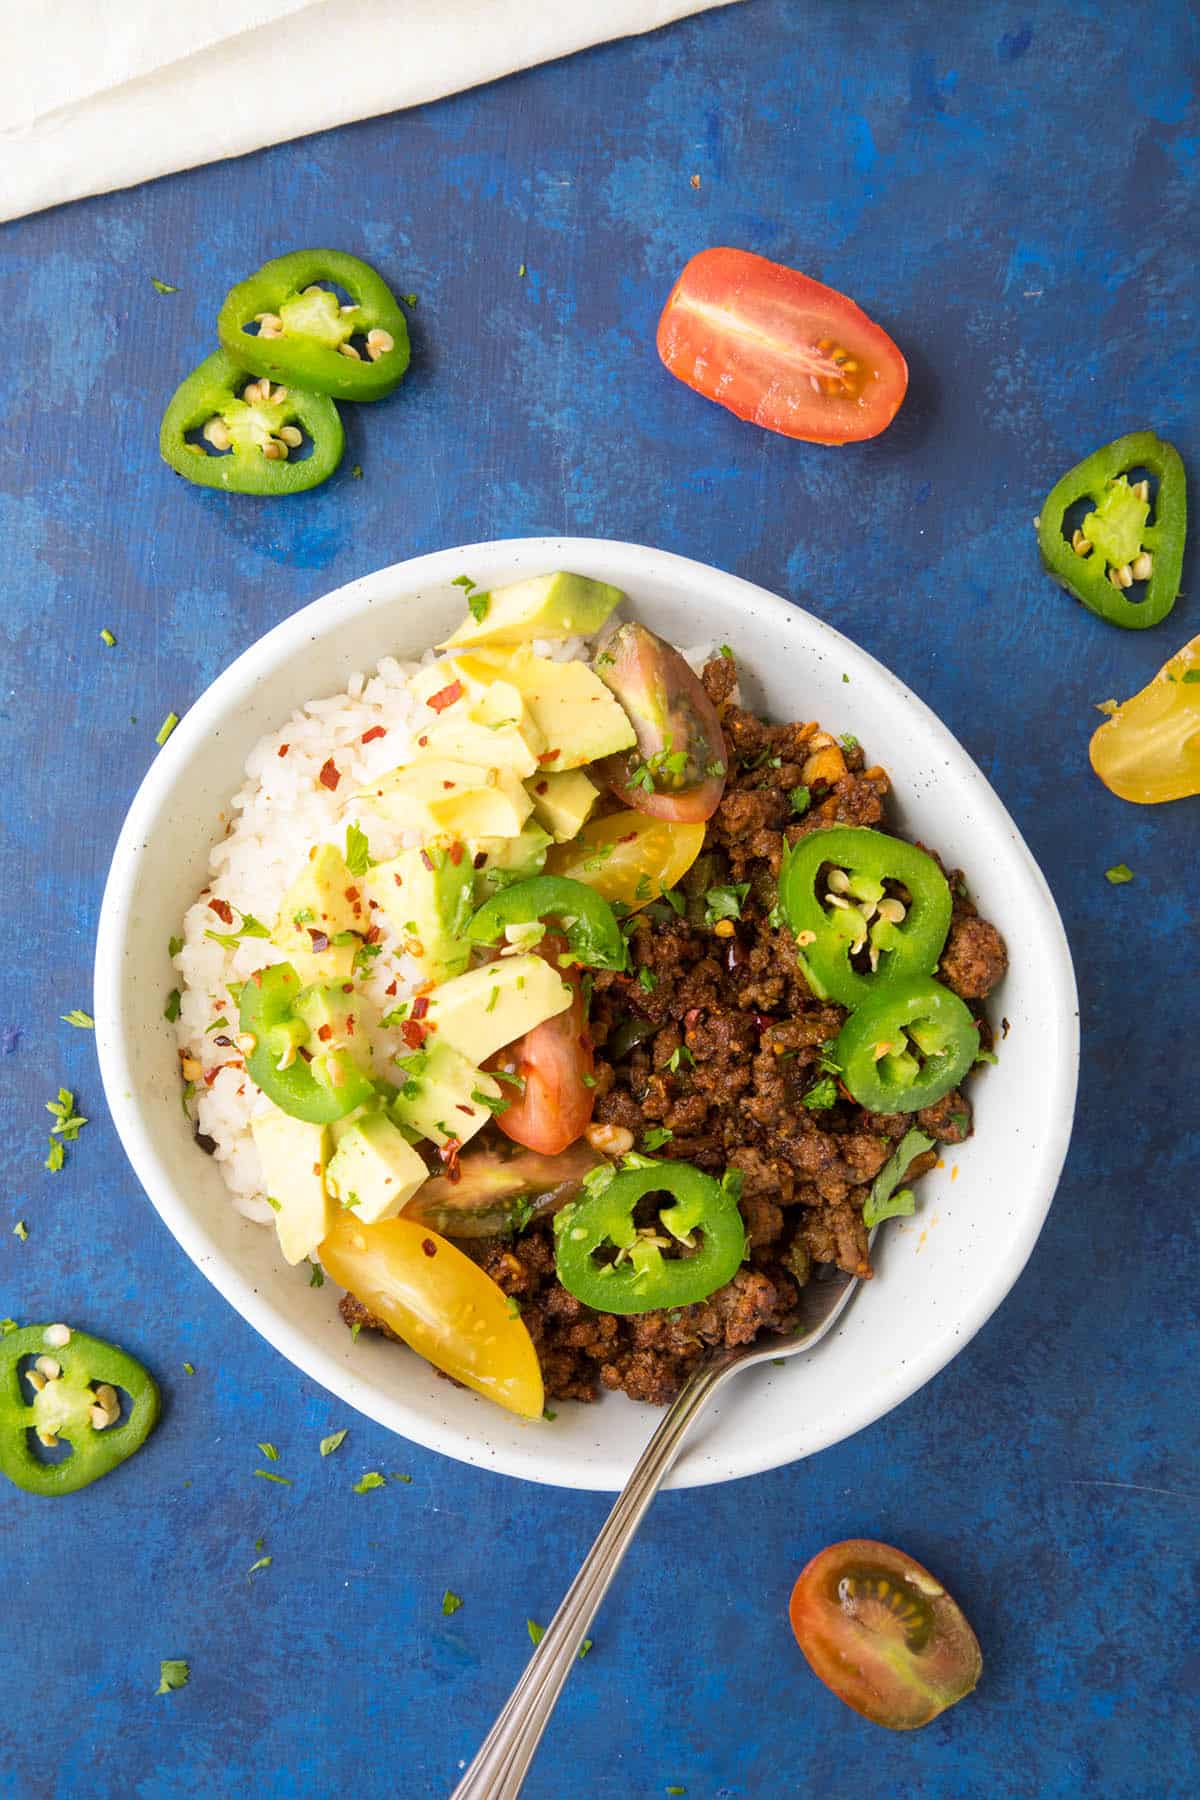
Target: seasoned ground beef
<point>714,1038</point>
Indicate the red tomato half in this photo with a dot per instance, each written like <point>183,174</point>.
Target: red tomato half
<point>883,1633</point>
<point>781,350</point>
<point>555,1105</point>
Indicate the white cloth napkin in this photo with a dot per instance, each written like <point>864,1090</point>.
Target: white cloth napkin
<point>97,94</point>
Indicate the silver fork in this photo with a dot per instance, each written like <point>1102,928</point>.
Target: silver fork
<point>503,1759</point>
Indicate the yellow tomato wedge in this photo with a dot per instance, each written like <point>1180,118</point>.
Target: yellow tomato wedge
<point>1150,749</point>
<point>621,853</point>
<point>440,1303</point>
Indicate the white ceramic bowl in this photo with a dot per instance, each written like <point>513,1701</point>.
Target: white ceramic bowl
<point>940,1275</point>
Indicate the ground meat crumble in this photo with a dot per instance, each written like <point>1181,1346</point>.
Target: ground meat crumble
<point>715,1037</point>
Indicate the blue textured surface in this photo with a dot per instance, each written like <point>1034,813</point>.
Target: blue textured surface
<point>1012,191</point>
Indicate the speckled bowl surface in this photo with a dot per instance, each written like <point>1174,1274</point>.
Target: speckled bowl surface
<point>939,1275</point>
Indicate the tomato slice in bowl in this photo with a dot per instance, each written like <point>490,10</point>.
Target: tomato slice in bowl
<point>883,1633</point>
<point>781,350</point>
<point>629,857</point>
<point>553,1064</point>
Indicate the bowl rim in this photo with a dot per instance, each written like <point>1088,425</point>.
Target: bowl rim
<point>236,1286</point>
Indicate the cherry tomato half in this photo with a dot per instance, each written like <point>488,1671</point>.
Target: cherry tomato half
<point>780,349</point>
<point>440,1303</point>
<point>884,1634</point>
<point>553,1105</point>
<point>628,857</point>
<point>678,768</point>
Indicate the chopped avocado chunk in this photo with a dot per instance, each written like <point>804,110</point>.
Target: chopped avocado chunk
<point>1115,528</point>
<point>334,964</point>
<point>374,1171</point>
<point>438,795</point>
<point>578,717</point>
<point>293,1155</point>
<point>494,731</point>
<point>481,1011</point>
<point>438,1094</point>
<point>498,862</point>
<point>428,896</point>
<point>324,899</point>
<point>546,606</point>
<point>562,801</point>
<point>334,1021</point>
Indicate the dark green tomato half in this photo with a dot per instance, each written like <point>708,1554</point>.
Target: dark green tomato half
<point>592,932</point>
<point>304,334</point>
<point>702,1223</point>
<point>63,1408</point>
<point>320,1089</point>
<point>828,934</point>
<point>909,1046</point>
<point>249,454</point>
<point>678,769</point>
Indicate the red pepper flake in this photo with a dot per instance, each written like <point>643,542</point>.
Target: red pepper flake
<point>413,1034</point>
<point>320,940</point>
<point>256,978</point>
<point>390,989</point>
<point>449,1155</point>
<point>429,1247</point>
<point>376,731</point>
<point>420,1006</point>
<point>283,750</point>
<point>422,741</point>
<point>541,787</point>
<point>549,756</point>
<point>352,893</point>
<point>478,860</point>
<point>628,838</point>
<point>212,1074</point>
<point>223,911</point>
<point>469,1110</point>
<point>347,987</point>
<point>325,1032</point>
<point>330,775</point>
<point>449,784</point>
<point>425,856</point>
<point>445,697</point>
<point>349,1024</point>
<point>399,880</point>
<point>455,853</point>
<point>372,934</point>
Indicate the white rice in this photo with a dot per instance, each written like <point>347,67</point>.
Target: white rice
<point>281,812</point>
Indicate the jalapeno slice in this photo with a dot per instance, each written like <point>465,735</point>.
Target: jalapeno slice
<point>1115,547</point>
<point>70,1391</point>
<point>592,932</point>
<point>612,1264</point>
<point>907,1047</point>
<point>317,1087</point>
<point>853,937</point>
<point>252,434</point>
<point>306,335</point>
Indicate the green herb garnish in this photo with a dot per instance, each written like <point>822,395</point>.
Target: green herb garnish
<point>264,1562</point>
<point>647,978</point>
<point>334,1441</point>
<point>725,902</point>
<point>451,1602</point>
<point>107,637</point>
<point>372,1479</point>
<point>270,1452</point>
<point>887,1200</point>
<point>798,800</point>
<point>358,850</point>
<point>536,1632</point>
<point>822,1095</point>
<point>166,728</point>
<point>656,1137</point>
<point>78,1017</point>
<point>1118,874</point>
<point>316,1274</point>
<point>171,1009</point>
<point>173,1673</point>
<point>55,1157</point>
<point>267,1475</point>
<point>21,1230</point>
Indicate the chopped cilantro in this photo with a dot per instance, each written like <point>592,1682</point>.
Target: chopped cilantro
<point>588,1081</point>
<point>358,850</point>
<point>409,299</point>
<point>887,1200</point>
<point>250,927</point>
<point>521,271</point>
<point>397,1015</point>
<point>512,1306</point>
<point>643,890</point>
<point>108,637</point>
<point>54,1156</point>
<point>266,1475</point>
<point>354,1331</point>
<point>274,1204</point>
<point>189,1088</point>
<point>1118,874</point>
<point>493,1104</point>
<point>463,581</point>
<point>166,728</point>
<point>536,1632</point>
<point>479,605</point>
<point>217,1025</point>
<point>798,799</point>
<point>725,902</point>
<point>647,979</point>
<point>514,1080</point>
<point>724,650</point>
<point>21,1230</point>
<point>364,956</point>
<point>78,1017</point>
<point>174,946</point>
<point>674,900</point>
<point>585,1647</point>
<point>174,1673</point>
<point>162,287</point>
<point>678,1057</point>
<point>316,1274</point>
<point>549,1414</point>
<point>397,1476</point>
<point>1190,676</point>
<point>356,472</point>
<point>656,1137</point>
<point>372,1479</point>
<point>451,1602</point>
<point>985,1056</point>
<point>68,1123</point>
<point>264,1562</point>
<point>849,741</point>
<point>598,857</point>
<point>171,1009</point>
<point>189,1369</point>
<point>334,1441</point>
<point>270,1452</point>
<point>822,1095</point>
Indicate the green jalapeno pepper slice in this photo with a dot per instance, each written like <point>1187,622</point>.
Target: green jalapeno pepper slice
<point>635,1276</point>
<point>907,1047</point>
<point>252,437</point>
<point>307,336</point>
<point>1115,546</point>
<point>318,1087</point>
<point>79,1402</point>
<point>589,922</point>
<point>833,895</point>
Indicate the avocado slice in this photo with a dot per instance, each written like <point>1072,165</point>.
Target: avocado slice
<point>334,1020</point>
<point>443,1095</point>
<point>374,1171</point>
<point>293,1154</point>
<point>324,901</point>
<point>428,895</point>
<point>545,606</point>
<point>481,1011</point>
<point>562,801</point>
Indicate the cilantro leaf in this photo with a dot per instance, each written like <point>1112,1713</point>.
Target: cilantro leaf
<point>172,1674</point>
<point>798,799</point>
<point>822,1095</point>
<point>536,1632</point>
<point>55,1156</point>
<point>451,1602</point>
<point>725,902</point>
<point>887,1200</point>
<point>163,287</point>
<point>166,728</point>
<point>264,1562</point>
<point>1118,874</point>
<point>78,1017</point>
<point>21,1230</point>
<point>656,1137</point>
<point>334,1441</point>
<point>358,850</point>
<point>171,1009</point>
<point>270,1452</point>
<point>372,1479</point>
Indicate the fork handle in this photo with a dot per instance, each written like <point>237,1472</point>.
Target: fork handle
<point>503,1759</point>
